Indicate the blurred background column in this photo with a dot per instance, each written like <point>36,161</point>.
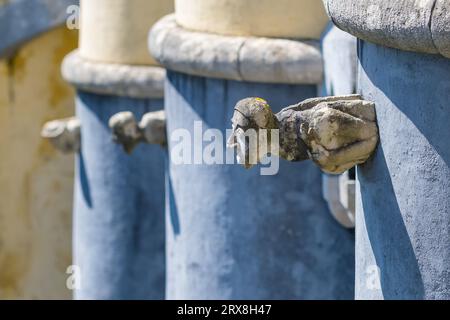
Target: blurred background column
<point>231,233</point>
<point>403,193</point>
<point>36,182</point>
<point>119,198</point>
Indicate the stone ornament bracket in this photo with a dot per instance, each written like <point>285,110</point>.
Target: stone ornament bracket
<point>22,20</point>
<point>127,132</point>
<point>410,25</point>
<point>63,134</point>
<point>255,59</point>
<point>113,79</point>
<point>337,133</point>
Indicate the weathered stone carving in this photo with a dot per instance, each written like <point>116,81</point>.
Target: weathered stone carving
<point>64,134</point>
<point>127,132</point>
<point>337,133</point>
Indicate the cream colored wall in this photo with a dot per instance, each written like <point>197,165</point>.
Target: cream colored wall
<point>116,31</point>
<point>35,180</point>
<point>264,18</point>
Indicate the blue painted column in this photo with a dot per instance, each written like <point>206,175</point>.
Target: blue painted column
<point>403,194</point>
<point>232,233</point>
<point>119,229</point>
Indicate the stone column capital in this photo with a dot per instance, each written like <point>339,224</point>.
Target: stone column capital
<point>113,79</point>
<point>410,25</point>
<point>253,59</point>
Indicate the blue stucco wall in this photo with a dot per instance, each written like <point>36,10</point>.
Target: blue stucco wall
<point>119,230</point>
<point>403,192</point>
<point>233,234</point>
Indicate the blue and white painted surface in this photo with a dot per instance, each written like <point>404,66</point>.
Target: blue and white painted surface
<point>403,193</point>
<point>119,206</point>
<point>233,234</point>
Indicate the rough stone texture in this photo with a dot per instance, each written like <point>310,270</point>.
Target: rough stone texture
<point>335,132</point>
<point>282,61</point>
<point>403,192</point>
<point>153,127</point>
<point>339,134</point>
<point>235,58</point>
<point>119,206</point>
<point>234,234</point>
<point>64,134</point>
<point>411,25</point>
<point>113,79</point>
<point>125,130</point>
<point>440,27</point>
<point>21,20</point>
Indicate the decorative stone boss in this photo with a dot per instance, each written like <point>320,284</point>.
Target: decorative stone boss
<point>337,133</point>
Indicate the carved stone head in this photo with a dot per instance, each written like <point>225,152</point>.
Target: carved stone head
<point>252,123</point>
<point>125,130</point>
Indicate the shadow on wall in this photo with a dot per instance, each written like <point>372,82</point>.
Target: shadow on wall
<point>394,255</point>
<point>405,84</point>
<point>84,181</point>
<point>405,188</point>
<point>171,206</point>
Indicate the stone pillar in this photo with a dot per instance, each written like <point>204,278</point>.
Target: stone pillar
<point>403,193</point>
<point>119,199</point>
<point>235,234</point>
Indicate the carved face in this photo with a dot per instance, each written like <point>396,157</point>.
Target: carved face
<point>238,140</point>
<point>250,115</point>
<point>125,130</point>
